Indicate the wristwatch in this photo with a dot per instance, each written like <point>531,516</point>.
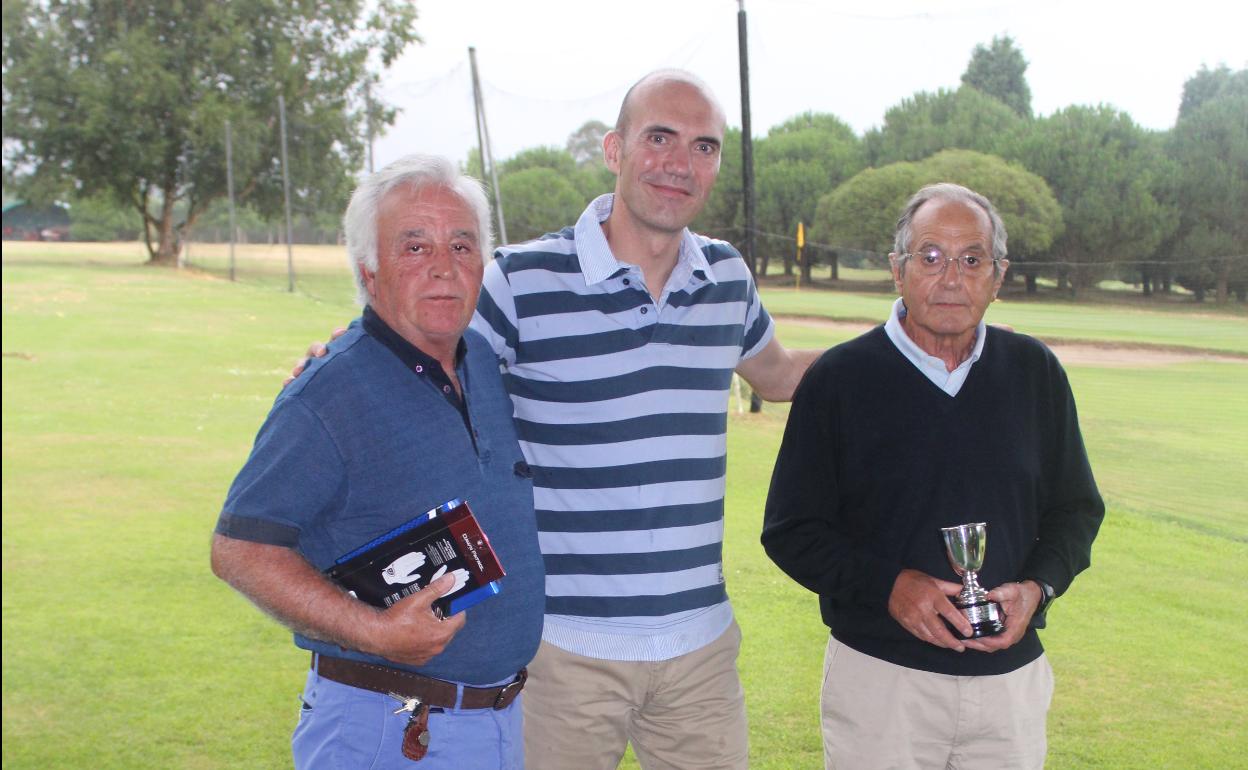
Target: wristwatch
<point>1047,595</point>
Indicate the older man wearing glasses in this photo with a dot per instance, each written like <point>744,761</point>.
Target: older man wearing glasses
<point>929,421</point>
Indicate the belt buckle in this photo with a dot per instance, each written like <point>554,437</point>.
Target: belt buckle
<point>509,691</point>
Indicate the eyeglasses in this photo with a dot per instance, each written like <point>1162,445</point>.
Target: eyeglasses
<point>932,261</point>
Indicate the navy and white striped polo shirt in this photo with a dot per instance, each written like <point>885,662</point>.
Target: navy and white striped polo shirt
<point>621,409</point>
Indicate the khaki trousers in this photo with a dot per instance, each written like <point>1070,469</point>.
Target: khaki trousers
<point>685,713</point>
<point>880,715</point>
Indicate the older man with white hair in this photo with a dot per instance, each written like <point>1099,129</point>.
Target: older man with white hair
<point>934,420</point>
<point>406,412</point>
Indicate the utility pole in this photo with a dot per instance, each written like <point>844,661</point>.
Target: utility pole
<point>747,160</point>
<point>747,139</point>
<point>368,112</point>
<point>488,156</point>
<point>290,256</point>
<point>476,109</point>
<point>229,187</point>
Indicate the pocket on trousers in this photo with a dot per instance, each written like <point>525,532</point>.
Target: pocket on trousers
<point>1050,681</point>
<point>307,698</point>
<point>829,659</point>
<point>339,727</point>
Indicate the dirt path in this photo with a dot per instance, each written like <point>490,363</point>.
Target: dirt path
<point>1077,353</point>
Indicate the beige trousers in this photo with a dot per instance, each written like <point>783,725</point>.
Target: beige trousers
<point>880,715</point>
<point>685,713</point>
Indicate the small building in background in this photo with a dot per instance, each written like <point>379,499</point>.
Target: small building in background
<point>26,222</point>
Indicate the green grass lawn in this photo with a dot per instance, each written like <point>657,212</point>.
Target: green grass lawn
<point>1206,327</point>
<point>821,272</point>
<point>130,399</point>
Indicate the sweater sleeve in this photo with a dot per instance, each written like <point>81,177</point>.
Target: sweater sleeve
<point>802,532</point>
<point>1073,510</point>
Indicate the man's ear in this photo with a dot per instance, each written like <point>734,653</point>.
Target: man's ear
<point>370,281</point>
<point>894,265</point>
<point>612,144</point>
<point>1002,266</point>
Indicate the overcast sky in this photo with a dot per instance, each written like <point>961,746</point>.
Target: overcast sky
<point>547,66</point>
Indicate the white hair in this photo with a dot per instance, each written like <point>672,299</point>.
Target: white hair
<point>419,172</point>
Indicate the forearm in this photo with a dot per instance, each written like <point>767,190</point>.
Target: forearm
<point>798,362</point>
<point>775,373</point>
<point>1063,547</point>
<point>285,586</point>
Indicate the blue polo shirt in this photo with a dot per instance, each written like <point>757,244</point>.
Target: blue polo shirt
<point>367,439</point>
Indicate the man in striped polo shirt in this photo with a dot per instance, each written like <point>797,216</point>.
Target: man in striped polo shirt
<point>618,338</point>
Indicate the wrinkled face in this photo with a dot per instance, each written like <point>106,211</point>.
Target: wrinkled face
<point>429,267</point>
<point>949,304</point>
<point>668,156</point>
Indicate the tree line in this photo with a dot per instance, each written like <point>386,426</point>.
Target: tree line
<point>1086,193</point>
<point>119,106</point>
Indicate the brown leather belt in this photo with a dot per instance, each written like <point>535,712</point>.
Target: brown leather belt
<point>432,692</point>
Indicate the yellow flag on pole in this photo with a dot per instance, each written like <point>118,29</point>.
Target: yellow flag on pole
<point>801,242</point>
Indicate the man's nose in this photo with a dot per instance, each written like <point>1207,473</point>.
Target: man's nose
<point>442,262</point>
<point>951,275</point>
<point>678,161</point>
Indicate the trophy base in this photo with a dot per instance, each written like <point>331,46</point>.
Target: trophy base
<point>986,618</point>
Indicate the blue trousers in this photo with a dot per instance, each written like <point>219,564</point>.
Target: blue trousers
<point>353,729</point>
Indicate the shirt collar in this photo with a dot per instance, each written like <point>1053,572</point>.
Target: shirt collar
<point>931,366</point>
<point>598,263</point>
<point>412,357</point>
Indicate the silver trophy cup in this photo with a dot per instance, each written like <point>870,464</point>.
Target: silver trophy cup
<point>965,545</point>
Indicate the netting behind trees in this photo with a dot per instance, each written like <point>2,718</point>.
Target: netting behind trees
<point>320,271</point>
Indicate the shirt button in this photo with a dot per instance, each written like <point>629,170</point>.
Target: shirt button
<point>419,368</point>
<point>645,310</point>
<point>626,282</point>
<point>446,388</point>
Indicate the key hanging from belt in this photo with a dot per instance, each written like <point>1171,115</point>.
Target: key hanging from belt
<point>416,731</point>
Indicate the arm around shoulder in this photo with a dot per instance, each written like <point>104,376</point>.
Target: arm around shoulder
<point>776,371</point>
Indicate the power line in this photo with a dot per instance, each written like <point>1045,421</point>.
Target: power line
<point>1156,261</point>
